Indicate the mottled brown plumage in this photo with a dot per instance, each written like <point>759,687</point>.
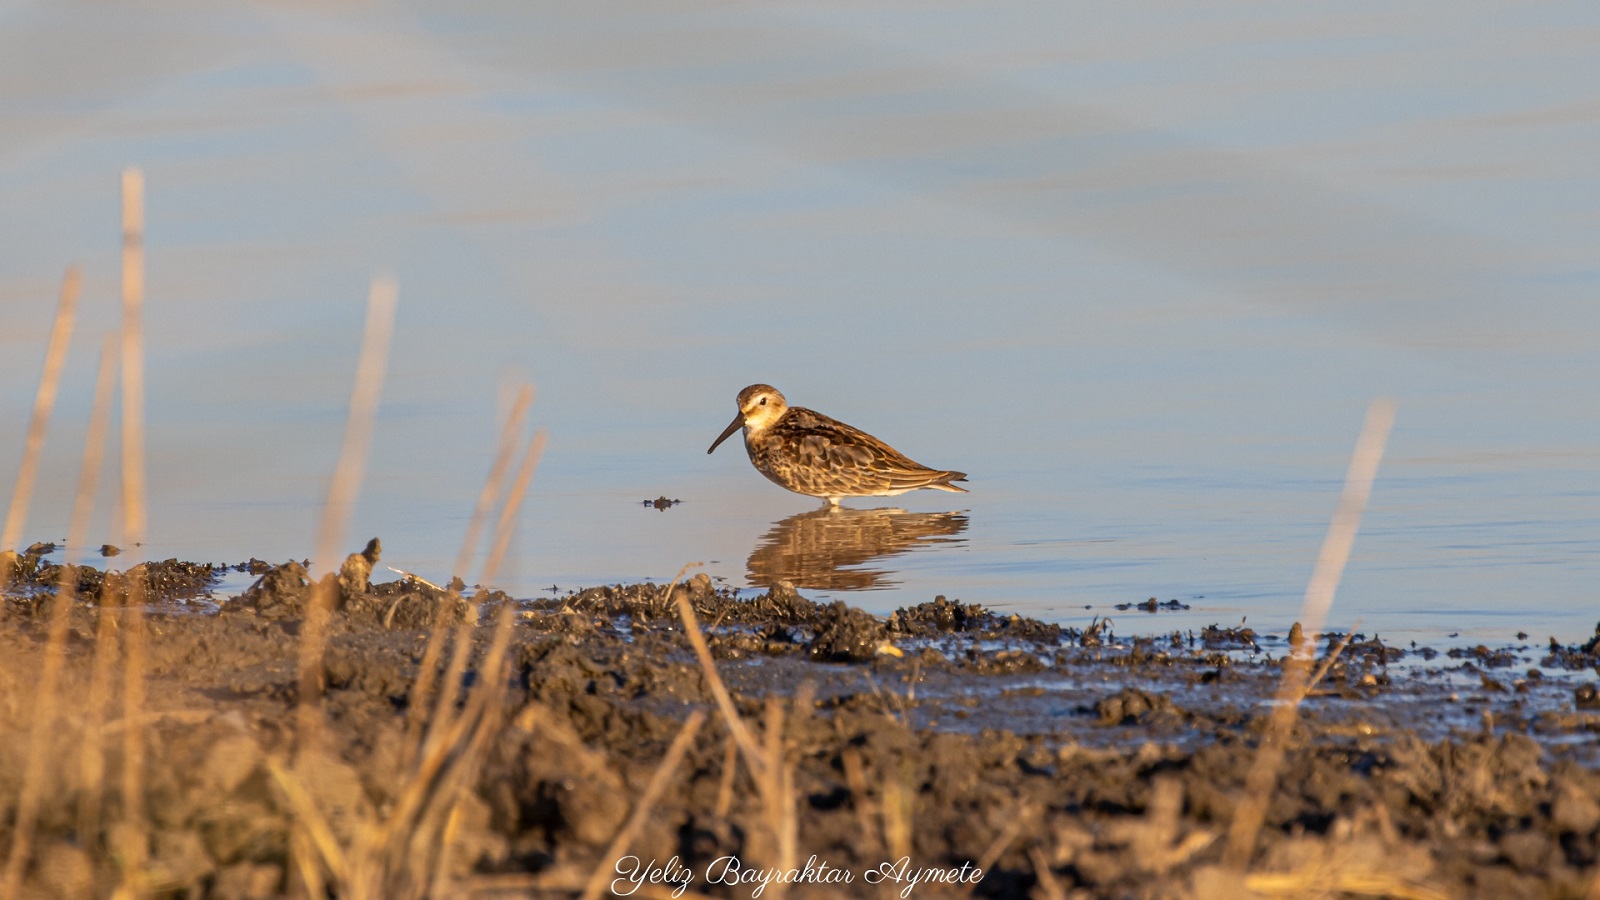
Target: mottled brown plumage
<point>809,453</point>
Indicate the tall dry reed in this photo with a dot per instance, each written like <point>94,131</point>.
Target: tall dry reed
<point>44,403</point>
<point>422,692</point>
<point>342,489</point>
<point>92,758</point>
<point>767,762</point>
<point>405,851</point>
<point>134,845</point>
<point>1262,779</point>
<point>46,703</point>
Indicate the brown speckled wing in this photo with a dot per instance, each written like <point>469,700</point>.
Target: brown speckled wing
<point>811,453</point>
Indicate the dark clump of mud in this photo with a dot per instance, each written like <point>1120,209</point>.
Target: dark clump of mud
<point>1062,762</point>
<point>284,592</point>
<point>33,574</point>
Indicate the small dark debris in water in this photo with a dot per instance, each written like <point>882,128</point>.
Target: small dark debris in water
<point>1152,605</point>
<point>1522,635</point>
<point>661,502</point>
<point>42,548</point>
<point>110,550</point>
<point>1586,697</point>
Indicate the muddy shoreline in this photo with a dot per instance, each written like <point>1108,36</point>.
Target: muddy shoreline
<point>1059,761</point>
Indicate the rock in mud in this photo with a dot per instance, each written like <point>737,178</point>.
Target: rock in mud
<point>355,576</point>
<point>938,617</point>
<point>846,635</point>
<point>283,592</point>
<point>161,581</point>
<point>411,604</point>
<point>1132,705</point>
<point>1586,696</point>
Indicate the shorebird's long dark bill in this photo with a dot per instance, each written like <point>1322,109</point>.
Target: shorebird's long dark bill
<point>738,422</point>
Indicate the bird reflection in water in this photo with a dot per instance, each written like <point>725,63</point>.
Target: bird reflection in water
<point>822,548</point>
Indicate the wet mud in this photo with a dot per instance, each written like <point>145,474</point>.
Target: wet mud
<point>1058,761</point>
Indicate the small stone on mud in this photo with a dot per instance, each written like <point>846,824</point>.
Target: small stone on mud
<point>1131,705</point>
<point>282,592</point>
<point>1586,697</point>
<point>355,576</point>
<point>846,635</point>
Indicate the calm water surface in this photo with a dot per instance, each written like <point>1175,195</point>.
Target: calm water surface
<point>1137,268</point>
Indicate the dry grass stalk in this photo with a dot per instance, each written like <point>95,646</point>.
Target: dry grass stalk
<point>646,804</point>
<point>490,494</point>
<point>134,520</point>
<point>45,701</point>
<point>855,777</point>
<point>777,791</point>
<point>401,857</point>
<point>1262,778</point>
<point>491,569</point>
<point>407,853</point>
<point>730,767</point>
<point>1327,664</point>
<point>506,526</point>
<point>487,497</point>
<point>316,827</point>
<point>773,776</point>
<point>899,799</point>
<point>133,491</point>
<point>1024,817</point>
<point>105,654</point>
<point>719,691</point>
<point>1321,881</point>
<point>44,403</point>
<point>342,490</point>
<point>1049,887</point>
<point>433,792</point>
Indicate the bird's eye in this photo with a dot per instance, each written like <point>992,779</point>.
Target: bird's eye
<point>763,401</point>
